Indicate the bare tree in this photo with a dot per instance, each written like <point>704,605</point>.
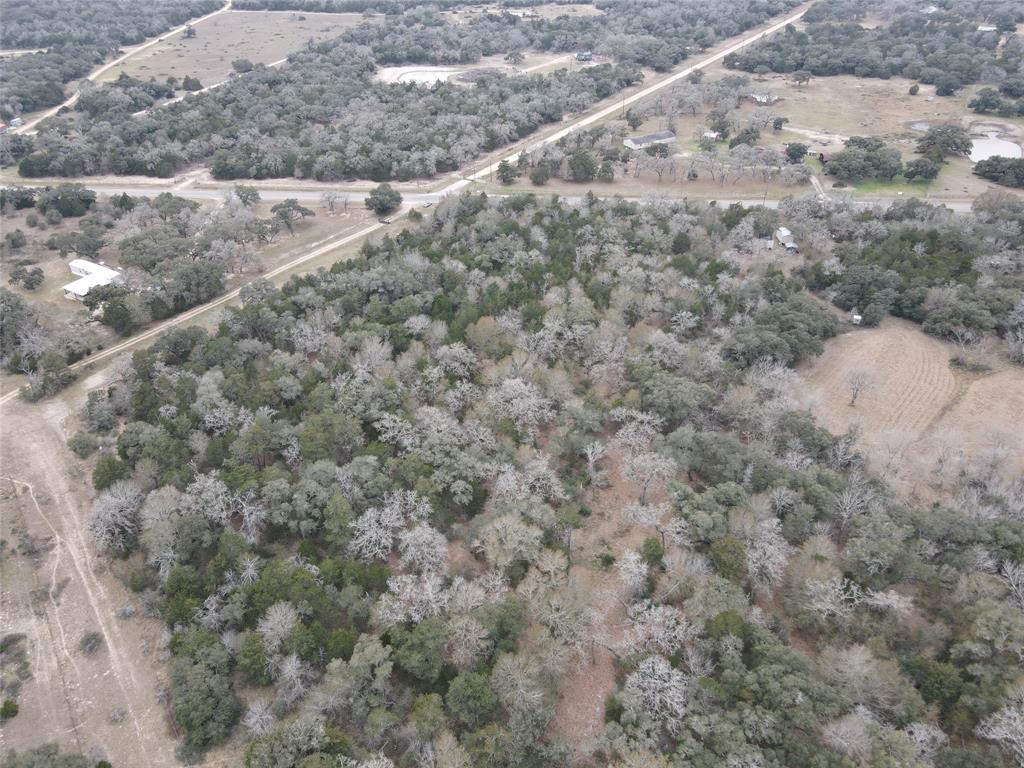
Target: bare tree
<point>115,517</point>
<point>858,380</point>
<point>1007,726</point>
<point>329,199</point>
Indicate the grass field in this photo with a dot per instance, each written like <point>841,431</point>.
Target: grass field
<point>262,37</point>
<point>916,406</point>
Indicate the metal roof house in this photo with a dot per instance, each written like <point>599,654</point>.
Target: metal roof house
<point>585,56</point>
<point>639,142</point>
<point>90,275</point>
<point>785,238</point>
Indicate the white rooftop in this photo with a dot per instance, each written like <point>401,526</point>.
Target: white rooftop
<point>90,275</point>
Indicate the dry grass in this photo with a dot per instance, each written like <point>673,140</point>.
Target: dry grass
<point>916,405</point>
<point>263,37</point>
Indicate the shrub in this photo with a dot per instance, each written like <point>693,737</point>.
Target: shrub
<point>82,444</point>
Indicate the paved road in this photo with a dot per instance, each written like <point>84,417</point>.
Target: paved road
<point>29,127</point>
<point>418,199</point>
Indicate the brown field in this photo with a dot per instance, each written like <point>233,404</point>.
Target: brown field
<point>55,591</point>
<point>916,405</point>
<point>263,37</point>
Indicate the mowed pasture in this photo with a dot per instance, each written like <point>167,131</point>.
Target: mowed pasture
<point>915,408</point>
<point>262,37</point>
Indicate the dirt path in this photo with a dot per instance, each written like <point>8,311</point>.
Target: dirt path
<point>104,701</point>
<point>579,716</point>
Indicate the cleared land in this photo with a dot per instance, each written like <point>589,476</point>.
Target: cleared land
<point>262,37</point>
<point>56,591</point>
<point>915,406</point>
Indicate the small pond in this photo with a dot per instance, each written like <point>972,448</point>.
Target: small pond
<point>993,146</point>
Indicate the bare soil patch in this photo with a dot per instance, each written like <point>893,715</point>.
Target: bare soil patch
<point>105,701</point>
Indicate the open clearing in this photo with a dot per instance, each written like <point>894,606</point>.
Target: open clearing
<point>55,596</point>
<point>262,37</point>
<point>916,406</point>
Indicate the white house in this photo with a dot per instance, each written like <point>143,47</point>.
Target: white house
<point>640,142</point>
<point>90,275</point>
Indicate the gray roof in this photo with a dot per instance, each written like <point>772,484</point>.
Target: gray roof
<point>653,138</point>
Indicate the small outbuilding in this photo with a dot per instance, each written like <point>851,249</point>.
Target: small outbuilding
<point>90,275</point>
<point>585,56</point>
<point>641,142</point>
<point>785,238</point>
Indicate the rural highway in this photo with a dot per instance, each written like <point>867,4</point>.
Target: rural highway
<point>414,199</point>
<point>29,127</point>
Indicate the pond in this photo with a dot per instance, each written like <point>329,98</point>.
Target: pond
<point>993,146</point>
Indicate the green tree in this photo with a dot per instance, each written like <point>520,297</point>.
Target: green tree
<point>539,176</point>
<point>471,701</point>
<point>942,141</point>
<point>796,152</point>
<point>582,166</point>
<point>109,469</point>
<point>420,650</point>
<point>289,211</point>
<point>507,172</point>
<point>729,556</point>
<point>247,195</point>
<point>383,199</point>
<point>204,704</point>
<point>922,169</point>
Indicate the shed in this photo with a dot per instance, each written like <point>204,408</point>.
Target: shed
<point>585,56</point>
<point>785,238</point>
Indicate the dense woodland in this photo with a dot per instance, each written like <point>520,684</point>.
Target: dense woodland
<point>79,35</point>
<point>944,47</point>
<point>364,497</point>
<point>324,116</point>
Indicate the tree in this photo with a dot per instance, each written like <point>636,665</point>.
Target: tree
<point>191,84</point>
<point>330,199</point>
<point>802,77</point>
<point>515,58</point>
<point>582,166</point>
<point>241,65</point>
<point>204,704</point>
<point>796,152</point>
<point>507,173</point>
<point>471,701</point>
<point>248,196</point>
<point>540,174</point>
<point>383,199</point>
<point>922,169</point>
<point>1007,726</point>
<point>109,469</point>
<point>115,517</point>
<point>289,211</point>
<point>942,141</point>
<point>858,380</point>
<point>658,691</point>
